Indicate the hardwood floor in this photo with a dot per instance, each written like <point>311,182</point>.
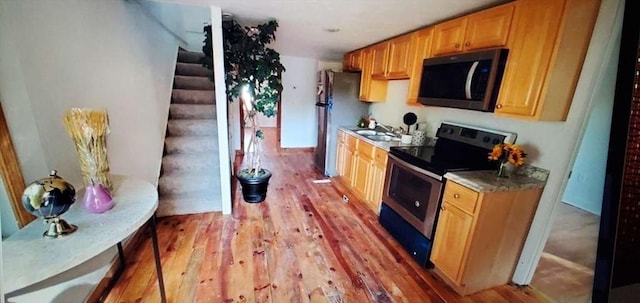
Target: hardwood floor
<point>565,271</point>
<point>303,244</point>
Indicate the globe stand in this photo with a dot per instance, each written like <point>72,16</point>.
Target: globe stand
<point>58,228</point>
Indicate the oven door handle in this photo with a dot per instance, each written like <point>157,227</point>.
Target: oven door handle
<point>415,168</point>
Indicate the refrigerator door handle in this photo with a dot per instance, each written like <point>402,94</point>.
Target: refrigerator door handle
<point>320,104</point>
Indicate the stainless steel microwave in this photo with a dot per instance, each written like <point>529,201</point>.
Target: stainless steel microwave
<point>468,80</point>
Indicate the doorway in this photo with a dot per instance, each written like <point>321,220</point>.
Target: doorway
<point>565,272</point>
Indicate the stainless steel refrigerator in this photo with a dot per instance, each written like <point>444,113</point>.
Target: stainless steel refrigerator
<point>337,106</point>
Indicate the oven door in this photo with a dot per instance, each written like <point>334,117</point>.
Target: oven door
<point>413,193</point>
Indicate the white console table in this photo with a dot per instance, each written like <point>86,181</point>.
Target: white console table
<point>29,258</point>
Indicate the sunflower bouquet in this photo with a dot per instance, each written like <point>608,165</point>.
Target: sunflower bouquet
<point>507,153</point>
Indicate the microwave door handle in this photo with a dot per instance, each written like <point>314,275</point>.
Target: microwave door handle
<point>467,84</point>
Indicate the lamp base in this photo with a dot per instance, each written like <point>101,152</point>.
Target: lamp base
<point>58,228</point>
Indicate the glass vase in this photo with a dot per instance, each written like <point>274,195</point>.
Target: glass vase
<point>503,171</point>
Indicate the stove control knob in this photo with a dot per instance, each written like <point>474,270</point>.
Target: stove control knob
<point>486,139</point>
<point>417,203</point>
<point>496,141</point>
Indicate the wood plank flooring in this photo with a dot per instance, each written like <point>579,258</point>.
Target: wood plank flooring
<point>303,244</point>
<point>566,267</point>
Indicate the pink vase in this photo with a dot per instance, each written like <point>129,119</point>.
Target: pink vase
<point>97,199</point>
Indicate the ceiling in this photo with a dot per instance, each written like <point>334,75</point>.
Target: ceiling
<point>304,23</point>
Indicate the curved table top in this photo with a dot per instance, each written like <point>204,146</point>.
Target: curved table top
<point>29,258</point>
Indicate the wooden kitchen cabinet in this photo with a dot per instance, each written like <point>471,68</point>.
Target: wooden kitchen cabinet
<point>340,153</point>
<point>350,159</point>
<point>485,29</point>
<point>547,46</point>
<point>479,236</point>
<point>371,90</point>
<point>362,167</point>
<point>391,59</point>
<point>376,180</point>
<point>363,164</point>
<point>352,61</point>
<point>421,44</point>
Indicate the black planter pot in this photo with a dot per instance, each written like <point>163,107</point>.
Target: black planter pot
<point>254,189</point>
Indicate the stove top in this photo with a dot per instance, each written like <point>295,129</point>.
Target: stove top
<point>459,147</point>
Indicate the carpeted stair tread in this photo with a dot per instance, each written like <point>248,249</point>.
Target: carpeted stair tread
<point>187,182</point>
<point>190,57</point>
<point>188,127</point>
<point>192,69</point>
<point>176,164</point>
<point>192,82</point>
<point>188,96</point>
<point>192,111</point>
<point>189,144</point>
<point>194,203</point>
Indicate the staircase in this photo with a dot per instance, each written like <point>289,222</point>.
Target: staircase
<point>190,176</point>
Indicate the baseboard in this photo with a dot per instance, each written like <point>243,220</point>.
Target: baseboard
<point>296,149</point>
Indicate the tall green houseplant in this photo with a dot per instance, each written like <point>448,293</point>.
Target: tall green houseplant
<point>253,76</point>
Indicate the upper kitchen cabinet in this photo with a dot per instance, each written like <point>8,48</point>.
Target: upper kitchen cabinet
<point>371,90</point>
<point>352,61</point>
<point>484,29</point>
<point>547,46</point>
<point>421,45</point>
<point>392,59</point>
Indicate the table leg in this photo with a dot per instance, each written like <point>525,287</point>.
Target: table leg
<point>156,254</point>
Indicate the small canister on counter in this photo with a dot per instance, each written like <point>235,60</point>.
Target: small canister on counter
<point>419,137</point>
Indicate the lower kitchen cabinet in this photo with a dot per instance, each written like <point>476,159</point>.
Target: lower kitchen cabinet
<point>376,180</point>
<point>479,235</point>
<point>362,167</point>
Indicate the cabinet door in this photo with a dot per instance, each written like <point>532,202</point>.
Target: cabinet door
<point>400,60</point>
<point>379,57</point>
<point>489,28</point>
<point>448,36</point>
<point>421,45</point>
<point>346,62</point>
<point>356,60</point>
<point>340,154</point>
<point>376,186</point>
<point>361,175</point>
<point>365,76</point>
<point>349,158</point>
<point>531,47</point>
<point>450,242</point>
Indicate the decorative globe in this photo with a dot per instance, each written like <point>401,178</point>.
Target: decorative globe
<point>49,197</point>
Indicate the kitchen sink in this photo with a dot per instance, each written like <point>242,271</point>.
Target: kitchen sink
<point>382,138</point>
<point>366,132</point>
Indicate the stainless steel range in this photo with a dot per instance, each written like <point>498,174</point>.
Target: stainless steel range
<point>414,181</point>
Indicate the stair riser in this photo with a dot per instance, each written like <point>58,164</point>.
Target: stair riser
<point>193,83</point>
<point>191,147</point>
<point>172,167</point>
<point>190,111</point>
<point>191,69</point>
<point>192,129</point>
<point>193,97</point>
<point>171,187</point>
<point>189,57</point>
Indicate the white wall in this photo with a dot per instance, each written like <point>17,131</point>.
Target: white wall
<point>586,185</point>
<point>8,220</point>
<point>74,53</point>
<point>332,65</point>
<point>298,120</point>
<point>184,21</point>
<point>550,145</point>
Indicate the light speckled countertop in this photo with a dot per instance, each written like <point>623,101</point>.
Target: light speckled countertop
<point>488,181</point>
<point>381,144</point>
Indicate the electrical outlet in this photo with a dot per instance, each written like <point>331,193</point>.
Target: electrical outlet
<point>345,199</point>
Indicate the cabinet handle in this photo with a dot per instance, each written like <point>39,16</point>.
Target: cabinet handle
<point>417,203</point>
<point>457,196</point>
<point>442,207</point>
<point>457,45</point>
<point>467,44</point>
<point>498,106</point>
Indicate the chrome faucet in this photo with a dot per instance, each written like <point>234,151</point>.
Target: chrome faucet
<point>390,129</point>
